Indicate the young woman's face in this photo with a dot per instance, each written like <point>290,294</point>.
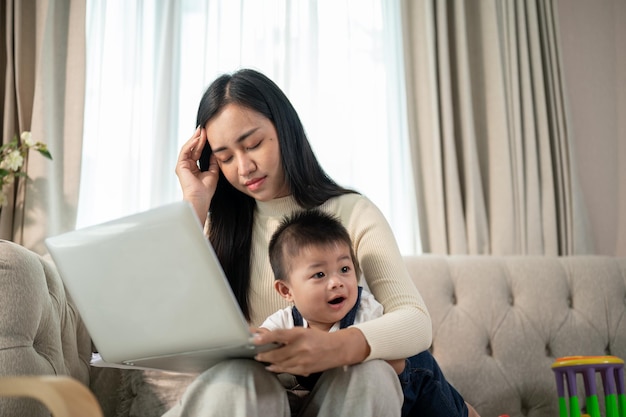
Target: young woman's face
<point>322,283</point>
<point>245,144</point>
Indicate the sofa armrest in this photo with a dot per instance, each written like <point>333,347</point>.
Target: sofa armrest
<point>40,332</point>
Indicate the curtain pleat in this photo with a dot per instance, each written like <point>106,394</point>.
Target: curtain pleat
<point>44,46</point>
<point>492,153</point>
<point>10,108</point>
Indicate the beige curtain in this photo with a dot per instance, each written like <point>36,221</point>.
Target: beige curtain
<point>490,141</point>
<point>43,88</point>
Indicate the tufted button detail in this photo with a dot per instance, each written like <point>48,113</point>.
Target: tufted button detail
<point>489,350</point>
<point>453,299</point>
<point>548,351</point>
<point>570,302</point>
<point>607,350</point>
<point>524,407</point>
<point>511,301</point>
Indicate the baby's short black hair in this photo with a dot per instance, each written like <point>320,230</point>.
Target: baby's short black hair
<point>303,229</point>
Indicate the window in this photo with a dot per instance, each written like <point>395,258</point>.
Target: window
<point>339,61</point>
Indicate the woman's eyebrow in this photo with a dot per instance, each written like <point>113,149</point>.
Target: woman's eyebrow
<point>240,139</point>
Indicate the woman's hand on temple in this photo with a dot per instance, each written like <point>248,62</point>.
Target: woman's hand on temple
<point>198,187</point>
<point>306,350</point>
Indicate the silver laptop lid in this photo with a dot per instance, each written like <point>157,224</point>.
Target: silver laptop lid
<point>149,285</point>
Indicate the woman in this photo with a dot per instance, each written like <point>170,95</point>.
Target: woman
<point>247,165</point>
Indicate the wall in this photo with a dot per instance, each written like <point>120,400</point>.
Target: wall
<point>593,36</point>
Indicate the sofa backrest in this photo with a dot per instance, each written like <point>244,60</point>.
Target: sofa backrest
<point>500,322</point>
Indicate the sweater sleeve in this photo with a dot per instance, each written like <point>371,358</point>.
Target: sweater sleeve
<point>405,327</point>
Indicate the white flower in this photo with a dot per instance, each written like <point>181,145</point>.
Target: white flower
<point>12,157</point>
<point>13,161</point>
<point>27,138</point>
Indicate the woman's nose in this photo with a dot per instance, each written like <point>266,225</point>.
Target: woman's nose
<point>246,166</point>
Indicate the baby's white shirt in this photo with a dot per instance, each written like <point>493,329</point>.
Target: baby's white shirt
<point>368,309</point>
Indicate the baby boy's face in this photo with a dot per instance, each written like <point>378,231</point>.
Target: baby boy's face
<point>323,284</point>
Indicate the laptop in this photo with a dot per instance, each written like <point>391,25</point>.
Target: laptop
<point>152,292</point>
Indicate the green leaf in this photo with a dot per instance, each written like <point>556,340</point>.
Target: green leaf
<point>45,153</point>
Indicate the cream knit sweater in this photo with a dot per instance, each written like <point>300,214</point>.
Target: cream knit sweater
<point>405,329</point>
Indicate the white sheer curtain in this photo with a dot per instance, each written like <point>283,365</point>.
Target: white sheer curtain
<point>339,61</point>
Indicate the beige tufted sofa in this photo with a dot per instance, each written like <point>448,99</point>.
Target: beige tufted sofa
<point>498,324</point>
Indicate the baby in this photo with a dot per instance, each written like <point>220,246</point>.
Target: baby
<point>315,269</point>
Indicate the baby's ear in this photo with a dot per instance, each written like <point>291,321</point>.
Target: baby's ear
<point>283,289</point>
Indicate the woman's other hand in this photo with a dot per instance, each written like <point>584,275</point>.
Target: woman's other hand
<point>198,187</point>
<point>258,330</point>
<point>306,350</point>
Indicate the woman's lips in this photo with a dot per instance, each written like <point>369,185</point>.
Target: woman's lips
<point>255,183</point>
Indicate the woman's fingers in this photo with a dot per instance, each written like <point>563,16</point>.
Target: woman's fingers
<point>192,149</point>
<point>213,166</point>
<point>198,187</point>
<point>310,350</point>
<point>199,141</point>
<point>303,351</point>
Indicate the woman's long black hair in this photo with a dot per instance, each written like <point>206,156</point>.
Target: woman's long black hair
<point>231,211</point>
